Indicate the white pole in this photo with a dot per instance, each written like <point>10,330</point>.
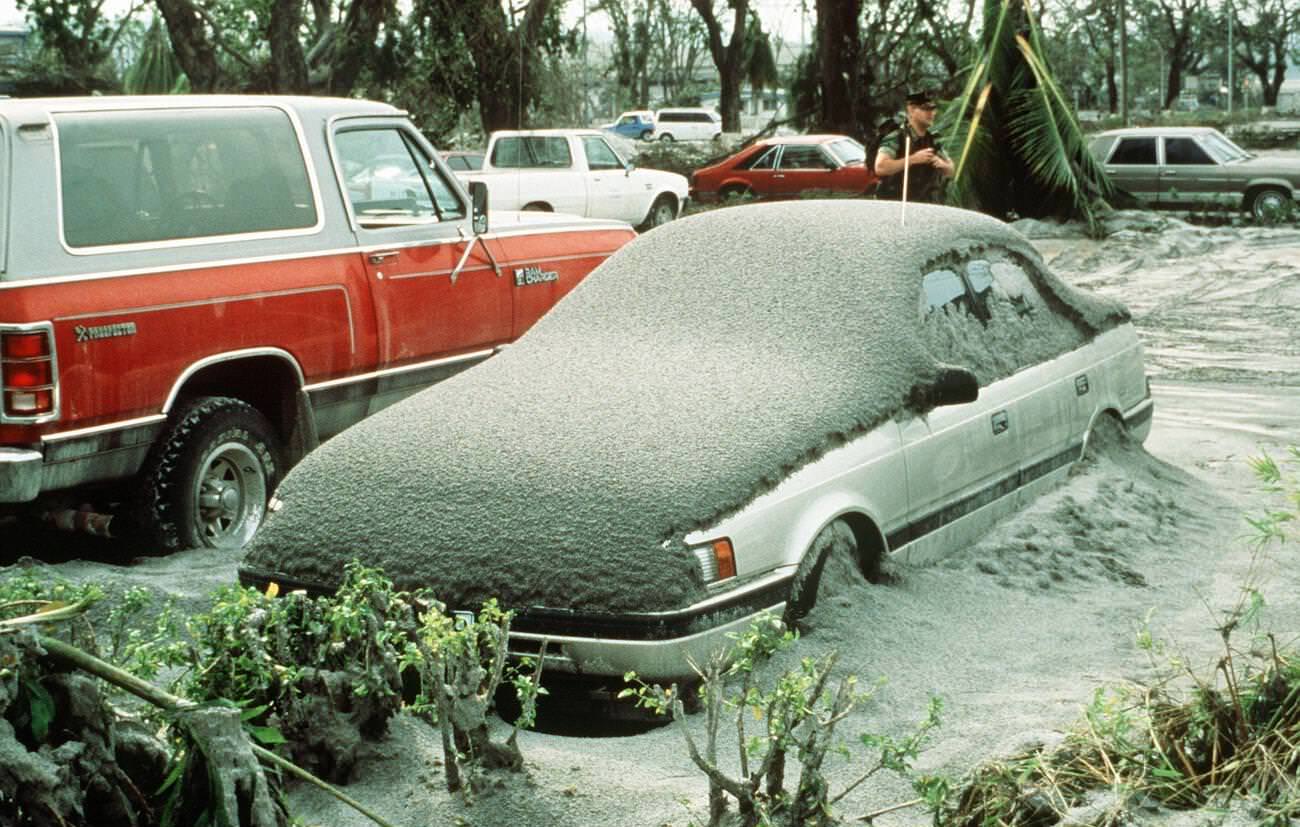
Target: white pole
<point>1230,60</point>
<point>907,165</point>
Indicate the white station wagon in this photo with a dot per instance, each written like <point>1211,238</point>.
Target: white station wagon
<point>726,401</point>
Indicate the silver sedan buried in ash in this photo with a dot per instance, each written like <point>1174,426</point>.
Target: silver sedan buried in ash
<point>683,440</point>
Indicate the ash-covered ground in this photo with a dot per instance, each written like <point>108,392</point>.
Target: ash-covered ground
<point>1016,633</point>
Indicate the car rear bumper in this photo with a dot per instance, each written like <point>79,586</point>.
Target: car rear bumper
<point>20,474</point>
<point>658,646</point>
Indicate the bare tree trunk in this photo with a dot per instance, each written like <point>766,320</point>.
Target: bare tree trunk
<point>192,44</point>
<point>837,39</point>
<point>288,62</point>
<point>726,57</point>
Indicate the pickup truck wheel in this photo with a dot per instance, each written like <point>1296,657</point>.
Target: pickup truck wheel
<point>663,210</point>
<point>830,562</point>
<point>207,481</point>
<point>1268,203</point>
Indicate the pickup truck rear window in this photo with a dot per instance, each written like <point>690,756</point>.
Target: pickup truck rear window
<point>531,151</point>
<point>142,176</point>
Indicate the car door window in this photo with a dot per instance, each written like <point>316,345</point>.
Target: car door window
<point>804,157</point>
<point>1184,151</point>
<point>764,160</point>
<point>1135,151</point>
<point>599,155</point>
<point>390,182</point>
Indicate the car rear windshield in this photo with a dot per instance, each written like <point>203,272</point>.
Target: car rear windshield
<point>531,151</point>
<point>848,151</point>
<point>141,176</point>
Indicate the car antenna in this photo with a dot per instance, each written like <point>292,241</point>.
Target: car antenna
<point>907,165</point>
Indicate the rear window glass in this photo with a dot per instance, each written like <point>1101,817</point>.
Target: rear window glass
<point>1135,151</point>
<point>130,177</point>
<point>804,157</point>
<point>532,151</point>
<point>1185,151</point>
<point>848,151</point>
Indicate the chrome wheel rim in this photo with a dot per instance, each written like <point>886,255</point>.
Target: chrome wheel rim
<point>229,496</point>
<point>1268,203</point>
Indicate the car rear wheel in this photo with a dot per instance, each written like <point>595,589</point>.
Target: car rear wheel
<point>734,192</point>
<point>648,135</point>
<point>667,136</point>
<point>537,206</point>
<point>1268,203</point>
<point>206,483</point>
<point>828,567</point>
<point>663,210</point>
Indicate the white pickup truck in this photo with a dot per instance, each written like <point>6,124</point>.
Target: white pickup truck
<point>576,171</point>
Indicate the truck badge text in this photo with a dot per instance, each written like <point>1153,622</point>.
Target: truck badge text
<point>534,275</point>
<point>103,331</point>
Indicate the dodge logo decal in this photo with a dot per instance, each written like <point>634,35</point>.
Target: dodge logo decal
<point>534,275</point>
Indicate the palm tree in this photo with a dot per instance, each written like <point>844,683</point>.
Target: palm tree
<point>1022,150</point>
<point>156,70</point>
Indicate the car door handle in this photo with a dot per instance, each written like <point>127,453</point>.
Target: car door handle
<point>778,175</point>
<point>1168,173</point>
<point>1001,422</point>
<point>381,256</point>
<point>1081,386</point>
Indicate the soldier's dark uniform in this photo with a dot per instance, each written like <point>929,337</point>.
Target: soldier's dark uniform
<point>924,182</point>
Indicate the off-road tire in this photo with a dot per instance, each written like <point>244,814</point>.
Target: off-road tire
<point>834,545</point>
<point>1267,202</point>
<point>206,482</point>
<point>663,210</point>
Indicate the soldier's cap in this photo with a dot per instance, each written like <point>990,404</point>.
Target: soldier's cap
<point>921,98</point>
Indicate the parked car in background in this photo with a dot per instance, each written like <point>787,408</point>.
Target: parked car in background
<point>638,125</point>
<point>721,407</point>
<point>576,171</point>
<point>197,290</point>
<point>463,161</point>
<point>786,167</point>
<point>688,124</point>
<point>1196,167</point>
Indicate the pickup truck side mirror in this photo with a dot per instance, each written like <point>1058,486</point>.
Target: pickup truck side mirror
<point>478,196</point>
<point>951,386</point>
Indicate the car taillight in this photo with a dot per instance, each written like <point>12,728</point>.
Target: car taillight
<point>27,373</point>
<point>717,560</point>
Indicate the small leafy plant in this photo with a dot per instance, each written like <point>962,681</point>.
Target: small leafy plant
<point>796,716</point>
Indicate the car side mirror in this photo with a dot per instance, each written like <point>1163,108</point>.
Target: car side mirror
<point>950,386</point>
<point>478,197</point>
<point>628,166</point>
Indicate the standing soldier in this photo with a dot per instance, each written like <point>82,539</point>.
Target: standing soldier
<point>928,167</point>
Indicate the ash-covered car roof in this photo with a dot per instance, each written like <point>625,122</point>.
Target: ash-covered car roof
<point>689,373</point>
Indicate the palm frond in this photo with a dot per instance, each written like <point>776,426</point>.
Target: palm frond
<point>972,130</point>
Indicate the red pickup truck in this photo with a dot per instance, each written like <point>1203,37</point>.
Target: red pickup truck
<point>196,290</point>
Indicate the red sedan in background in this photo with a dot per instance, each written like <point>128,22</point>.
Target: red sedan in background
<point>786,167</point>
